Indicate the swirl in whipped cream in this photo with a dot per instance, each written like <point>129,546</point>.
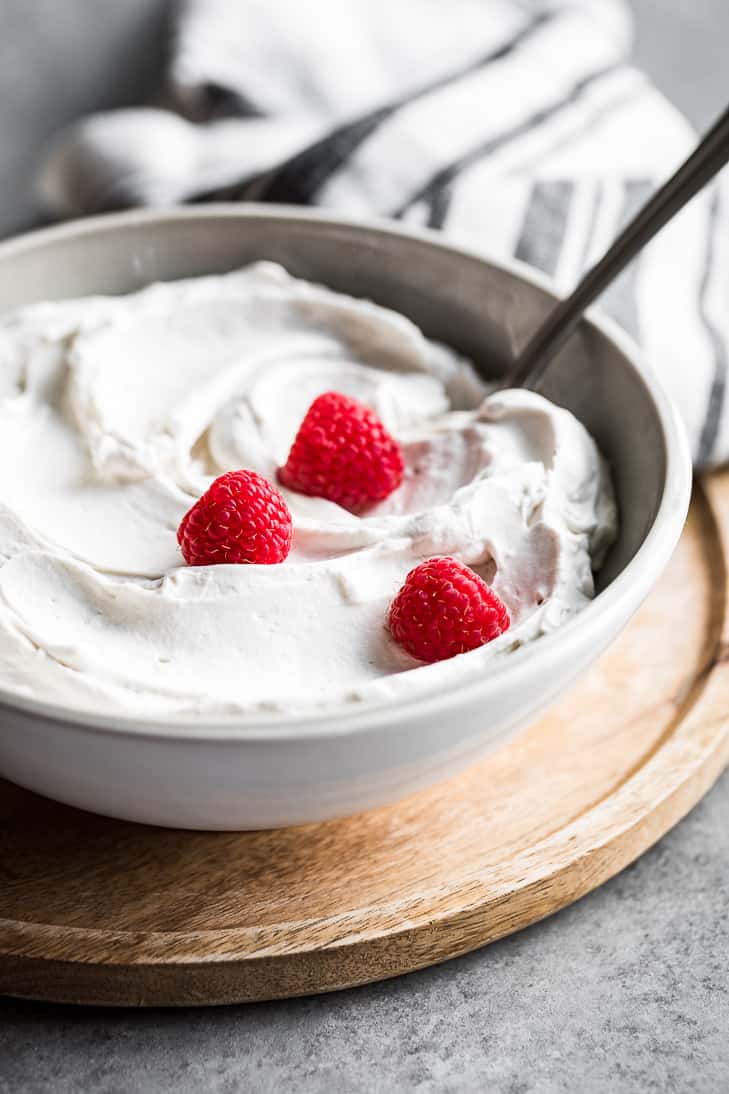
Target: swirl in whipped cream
<point>116,413</point>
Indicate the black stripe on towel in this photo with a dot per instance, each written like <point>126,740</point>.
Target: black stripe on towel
<point>447,174</point>
<point>545,224</point>
<point>439,206</point>
<point>717,392</point>
<point>299,179</point>
<point>620,299</point>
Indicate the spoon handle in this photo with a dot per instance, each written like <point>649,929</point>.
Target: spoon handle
<point>710,155</point>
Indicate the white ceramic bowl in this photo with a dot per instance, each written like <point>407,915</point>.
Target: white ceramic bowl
<point>260,774</point>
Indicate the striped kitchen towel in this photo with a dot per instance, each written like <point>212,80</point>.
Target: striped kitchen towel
<point>515,126</point>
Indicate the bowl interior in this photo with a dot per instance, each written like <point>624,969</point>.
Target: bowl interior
<point>481,309</point>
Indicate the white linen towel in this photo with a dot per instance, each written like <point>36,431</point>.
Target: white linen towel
<point>515,126</point>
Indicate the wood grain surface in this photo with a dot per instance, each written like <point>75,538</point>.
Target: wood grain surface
<point>100,911</point>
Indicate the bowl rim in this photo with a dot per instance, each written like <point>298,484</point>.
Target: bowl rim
<point>630,585</point>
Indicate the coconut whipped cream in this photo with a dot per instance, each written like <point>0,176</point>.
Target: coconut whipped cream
<point>117,413</point>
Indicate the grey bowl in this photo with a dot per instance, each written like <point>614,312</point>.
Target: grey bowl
<point>291,770</point>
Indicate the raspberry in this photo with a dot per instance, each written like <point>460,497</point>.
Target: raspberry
<point>444,608</point>
<point>343,452</point>
<point>241,518</point>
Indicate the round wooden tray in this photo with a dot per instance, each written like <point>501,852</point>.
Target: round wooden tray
<point>99,911</point>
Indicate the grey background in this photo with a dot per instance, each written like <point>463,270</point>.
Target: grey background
<point>627,990</point>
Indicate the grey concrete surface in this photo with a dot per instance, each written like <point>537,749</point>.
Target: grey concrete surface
<point>627,991</point>
<point>60,59</point>
<point>682,46</point>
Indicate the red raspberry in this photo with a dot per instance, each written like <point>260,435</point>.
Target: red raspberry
<point>444,608</point>
<point>241,518</point>
<point>344,453</point>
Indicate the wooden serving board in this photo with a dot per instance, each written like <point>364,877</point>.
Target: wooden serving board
<point>100,911</point>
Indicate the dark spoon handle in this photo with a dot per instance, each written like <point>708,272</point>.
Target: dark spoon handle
<point>704,162</point>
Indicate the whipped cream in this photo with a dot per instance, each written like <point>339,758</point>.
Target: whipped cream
<point>117,413</point>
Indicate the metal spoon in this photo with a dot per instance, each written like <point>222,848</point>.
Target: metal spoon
<point>708,158</point>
